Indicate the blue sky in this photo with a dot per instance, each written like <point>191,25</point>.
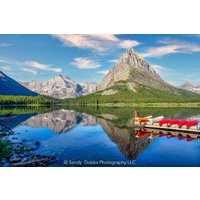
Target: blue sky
<point>87,58</point>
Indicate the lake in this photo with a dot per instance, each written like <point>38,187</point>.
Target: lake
<point>90,136</point>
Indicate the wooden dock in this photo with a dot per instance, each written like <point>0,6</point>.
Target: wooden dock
<point>167,128</point>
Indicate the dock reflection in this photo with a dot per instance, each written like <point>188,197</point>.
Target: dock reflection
<point>153,133</point>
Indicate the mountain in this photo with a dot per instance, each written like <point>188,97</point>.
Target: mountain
<point>134,80</point>
<point>60,87</point>
<point>190,87</point>
<point>136,71</point>
<point>132,72</point>
<point>130,66</point>
<point>88,88</point>
<point>8,86</point>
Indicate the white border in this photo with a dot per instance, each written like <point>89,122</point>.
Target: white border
<point>105,16</point>
<point>100,183</point>
<point>90,16</point>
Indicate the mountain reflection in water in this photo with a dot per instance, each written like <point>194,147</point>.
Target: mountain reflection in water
<point>60,121</point>
<point>105,137</point>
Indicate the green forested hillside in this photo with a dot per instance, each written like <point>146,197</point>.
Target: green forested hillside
<point>143,94</point>
<point>122,95</point>
<point>28,100</point>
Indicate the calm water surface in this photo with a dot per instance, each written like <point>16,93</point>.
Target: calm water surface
<point>107,137</point>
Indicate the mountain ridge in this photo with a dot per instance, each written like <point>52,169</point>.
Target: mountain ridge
<point>9,86</point>
<point>60,87</point>
<point>133,69</point>
<point>132,66</point>
<point>133,79</point>
<point>190,87</point>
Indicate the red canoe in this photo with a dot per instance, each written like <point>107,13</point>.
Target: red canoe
<point>172,122</point>
<point>164,121</point>
<point>182,123</point>
<point>191,123</point>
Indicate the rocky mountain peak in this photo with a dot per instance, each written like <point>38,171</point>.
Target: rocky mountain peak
<point>88,88</point>
<point>129,56</point>
<point>187,84</point>
<point>190,87</point>
<point>60,87</point>
<point>60,77</point>
<point>131,66</point>
<point>134,59</point>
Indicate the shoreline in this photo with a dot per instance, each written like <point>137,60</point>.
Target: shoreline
<point>162,105</point>
<point>20,153</point>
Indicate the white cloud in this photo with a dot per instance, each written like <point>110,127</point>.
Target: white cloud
<point>85,63</point>
<point>161,51</point>
<point>6,68</point>
<point>7,61</point>
<point>5,44</point>
<point>100,43</point>
<point>126,44</point>
<point>192,48</point>
<point>113,60</point>
<point>80,41</point>
<point>171,46</point>
<point>109,37</point>
<point>104,72</point>
<point>41,66</point>
<point>32,71</point>
<point>30,63</point>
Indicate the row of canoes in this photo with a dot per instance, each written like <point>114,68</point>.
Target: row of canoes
<point>180,123</point>
<point>161,121</point>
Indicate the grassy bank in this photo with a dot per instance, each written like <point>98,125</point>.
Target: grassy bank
<point>5,148</point>
<point>27,100</point>
<point>98,101</point>
<point>24,109</point>
<point>4,108</point>
<point>135,105</point>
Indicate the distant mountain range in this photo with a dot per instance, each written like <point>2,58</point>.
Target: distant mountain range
<point>190,87</point>
<point>132,77</point>
<point>60,87</point>
<point>8,86</point>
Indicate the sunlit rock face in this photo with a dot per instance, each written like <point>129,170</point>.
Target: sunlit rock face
<point>133,71</point>
<point>88,88</point>
<point>134,59</point>
<point>60,87</point>
<point>129,61</point>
